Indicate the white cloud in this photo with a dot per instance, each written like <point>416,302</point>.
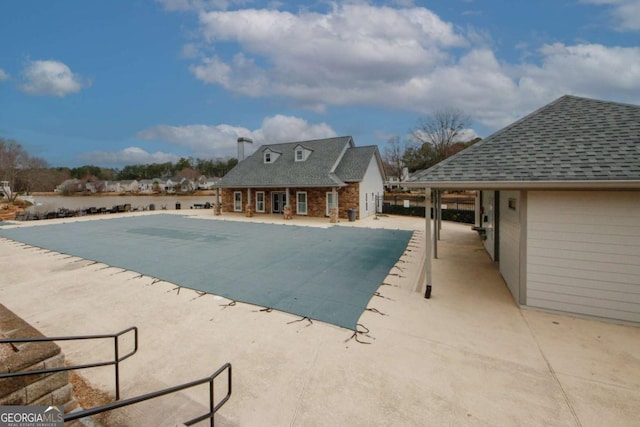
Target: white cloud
<point>355,47</point>
<point>3,75</point>
<point>51,78</point>
<point>129,156</point>
<point>626,13</point>
<point>406,59</point>
<point>281,128</point>
<point>585,69</point>
<point>206,141</point>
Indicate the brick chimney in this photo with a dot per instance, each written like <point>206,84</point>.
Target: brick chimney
<point>243,147</point>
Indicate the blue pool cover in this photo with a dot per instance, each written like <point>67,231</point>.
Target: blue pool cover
<point>327,274</point>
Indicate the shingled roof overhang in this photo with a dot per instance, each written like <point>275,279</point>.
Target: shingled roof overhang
<point>572,143</point>
<point>524,185</point>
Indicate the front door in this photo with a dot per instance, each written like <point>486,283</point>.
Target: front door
<point>278,202</point>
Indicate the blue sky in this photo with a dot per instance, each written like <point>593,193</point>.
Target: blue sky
<point>117,82</point>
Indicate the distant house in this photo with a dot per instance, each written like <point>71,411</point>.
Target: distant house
<point>183,185</point>
<point>325,177</point>
<point>127,186</point>
<point>206,183</point>
<point>90,187</point>
<point>70,185</point>
<point>395,182</point>
<point>147,186</point>
<point>559,205</point>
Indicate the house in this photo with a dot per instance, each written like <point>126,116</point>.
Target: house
<point>395,182</point>
<point>206,183</point>
<point>559,205</point>
<point>127,186</point>
<point>325,177</point>
<point>147,186</point>
<point>183,185</point>
<point>70,185</point>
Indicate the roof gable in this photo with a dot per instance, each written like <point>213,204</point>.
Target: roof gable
<point>355,162</point>
<point>569,140</point>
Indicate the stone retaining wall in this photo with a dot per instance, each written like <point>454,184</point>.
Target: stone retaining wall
<point>50,389</point>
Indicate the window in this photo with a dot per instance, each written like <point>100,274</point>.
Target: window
<point>267,157</point>
<point>301,154</point>
<point>302,203</point>
<point>331,203</point>
<point>237,201</point>
<point>259,201</point>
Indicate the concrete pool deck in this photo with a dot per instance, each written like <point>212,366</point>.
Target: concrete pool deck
<point>467,356</point>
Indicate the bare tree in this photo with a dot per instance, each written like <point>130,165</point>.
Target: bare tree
<point>12,161</point>
<point>439,134</point>
<point>35,175</point>
<point>21,171</point>
<point>393,157</point>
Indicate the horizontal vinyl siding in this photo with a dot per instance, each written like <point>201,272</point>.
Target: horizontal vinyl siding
<point>372,185</point>
<point>509,241</point>
<point>583,253</point>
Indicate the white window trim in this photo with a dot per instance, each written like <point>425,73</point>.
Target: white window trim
<point>235,201</point>
<point>301,152</point>
<point>335,203</point>
<point>258,194</point>
<point>306,203</point>
<point>268,157</point>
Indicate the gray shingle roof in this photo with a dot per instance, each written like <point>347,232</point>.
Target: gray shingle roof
<point>316,171</point>
<point>569,140</point>
<point>355,162</point>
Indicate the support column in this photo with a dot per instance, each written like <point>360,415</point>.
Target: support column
<point>439,212</point>
<point>249,208</point>
<point>427,239</point>
<point>288,208</point>
<point>436,232</point>
<point>334,211</point>
<point>217,206</point>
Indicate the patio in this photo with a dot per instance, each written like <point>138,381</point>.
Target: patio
<point>467,356</point>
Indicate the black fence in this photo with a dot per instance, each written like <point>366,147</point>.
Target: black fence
<point>453,209</point>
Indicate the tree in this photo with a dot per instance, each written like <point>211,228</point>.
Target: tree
<point>393,158</point>
<point>35,175</point>
<point>438,136</point>
<point>17,168</point>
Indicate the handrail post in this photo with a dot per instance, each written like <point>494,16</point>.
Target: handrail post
<point>117,367</point>
<point>212,422</point>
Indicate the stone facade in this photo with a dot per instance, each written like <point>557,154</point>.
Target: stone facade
<point>45,389</point>
<point>348,198</point>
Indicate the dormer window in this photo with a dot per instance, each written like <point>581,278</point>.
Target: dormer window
<point>270,156</point>
<point>300,153</point>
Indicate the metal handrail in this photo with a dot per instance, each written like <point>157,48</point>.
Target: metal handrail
<point>116,361</point>
<point>213,408</point>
